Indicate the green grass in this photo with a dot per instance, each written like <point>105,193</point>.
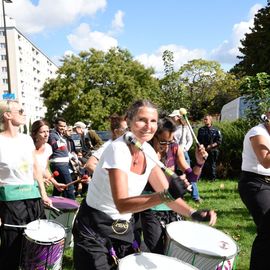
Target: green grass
<point>233,218</point>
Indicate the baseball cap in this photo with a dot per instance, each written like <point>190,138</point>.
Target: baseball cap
<point>175,113</point>
<point>80,124</point>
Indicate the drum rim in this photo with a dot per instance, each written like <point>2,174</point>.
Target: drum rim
<point>159,255</point>
<point>42,242</point>
<point>196,252</point>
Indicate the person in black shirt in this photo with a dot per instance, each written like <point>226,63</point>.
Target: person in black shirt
<point>211,138</point>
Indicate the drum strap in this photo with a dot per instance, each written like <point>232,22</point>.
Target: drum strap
<point>105,225</point>
<point>91,223</point>
<point>19,192</point>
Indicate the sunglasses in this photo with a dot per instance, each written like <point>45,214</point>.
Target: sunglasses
<point>166,142</point>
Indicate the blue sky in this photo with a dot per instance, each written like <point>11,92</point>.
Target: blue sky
<point>209,29</point>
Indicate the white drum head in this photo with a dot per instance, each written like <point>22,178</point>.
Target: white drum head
<point>202,239</point>
<point>147,260</point>
<point>46,231</point>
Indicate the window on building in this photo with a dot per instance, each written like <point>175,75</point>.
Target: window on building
<point>2,33</point>
<point>3,57</point>
<point>5,81</point>
<point>4,69</point>
<point>2,45</point>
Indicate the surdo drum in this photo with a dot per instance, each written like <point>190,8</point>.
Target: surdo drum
<point>68,209</point>
<point>43,245</point>
<point>145,260</point>
<point>200,245</point>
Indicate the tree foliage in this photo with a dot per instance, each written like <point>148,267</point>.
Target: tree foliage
<point>256,90</point>
<point>255,48</point>
<point>94,85</point>
<point>172,92</point>
<point>207,87</point>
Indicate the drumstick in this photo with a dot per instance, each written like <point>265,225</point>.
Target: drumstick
<point>129,138</point>
<point>54,208</point>
<point>15,226</point>
<point>183,112</point>
<point>76,181</point>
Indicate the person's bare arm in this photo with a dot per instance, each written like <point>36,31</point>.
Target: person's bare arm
<point>261,149</point>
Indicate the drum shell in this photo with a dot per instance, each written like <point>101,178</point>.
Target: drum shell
<point>42,255</point>
<point>68,210</point>
<point>146,260</point>
<point>198,256</point>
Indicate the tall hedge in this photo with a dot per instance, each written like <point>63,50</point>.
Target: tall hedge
<point>230,157</point>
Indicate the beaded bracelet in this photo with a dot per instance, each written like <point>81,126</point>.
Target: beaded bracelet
<point>165,196</point>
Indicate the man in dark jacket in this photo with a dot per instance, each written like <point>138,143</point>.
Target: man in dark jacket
<point>211,138</point>
<point>59,160</point>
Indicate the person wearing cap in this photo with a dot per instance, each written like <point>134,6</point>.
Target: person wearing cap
<point>89,140</point>
<point>183,137</point>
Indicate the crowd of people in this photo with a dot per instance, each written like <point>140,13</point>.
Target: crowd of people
<point>127,195</point>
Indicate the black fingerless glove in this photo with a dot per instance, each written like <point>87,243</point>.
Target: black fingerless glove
<point>201,215</point>
<point>176,188</point>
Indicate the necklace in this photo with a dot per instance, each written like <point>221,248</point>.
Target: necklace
<point>135,158</point>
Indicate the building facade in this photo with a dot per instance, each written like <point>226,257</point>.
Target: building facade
<point>29,69</point>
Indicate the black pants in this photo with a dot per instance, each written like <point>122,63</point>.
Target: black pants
<point>256,196</point>
<point>91,246</point>
<point>16,213</point>
<point>153,226</point>
<point>209,170</point>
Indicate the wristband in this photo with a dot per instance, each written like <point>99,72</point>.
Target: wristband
<point>198,215</point>
<point>199,165</point>
<point>191,176</point>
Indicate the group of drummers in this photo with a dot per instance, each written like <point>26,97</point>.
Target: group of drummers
<point>139,178</point>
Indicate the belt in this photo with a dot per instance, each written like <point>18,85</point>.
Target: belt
<point>264,178</point>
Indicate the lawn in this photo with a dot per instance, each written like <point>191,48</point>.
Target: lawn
<point>233,218</point>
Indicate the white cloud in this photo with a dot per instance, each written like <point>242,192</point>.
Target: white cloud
<point>83,39</point>
<point>117,23</point>
<point>228,51</point>
<point>32,18</point>
<point>181,56</point>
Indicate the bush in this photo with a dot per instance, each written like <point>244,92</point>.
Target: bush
<point>230,158</point>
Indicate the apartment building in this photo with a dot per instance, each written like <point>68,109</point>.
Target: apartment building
<point>29,68</point>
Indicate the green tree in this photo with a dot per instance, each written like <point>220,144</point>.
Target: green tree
<point>207,87</point>
<point>255,48</point>
<point>256,90</point>
<point>170,85</point>
<point>94,85</point>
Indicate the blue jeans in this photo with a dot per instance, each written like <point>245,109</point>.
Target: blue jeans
<point>195,191</point>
